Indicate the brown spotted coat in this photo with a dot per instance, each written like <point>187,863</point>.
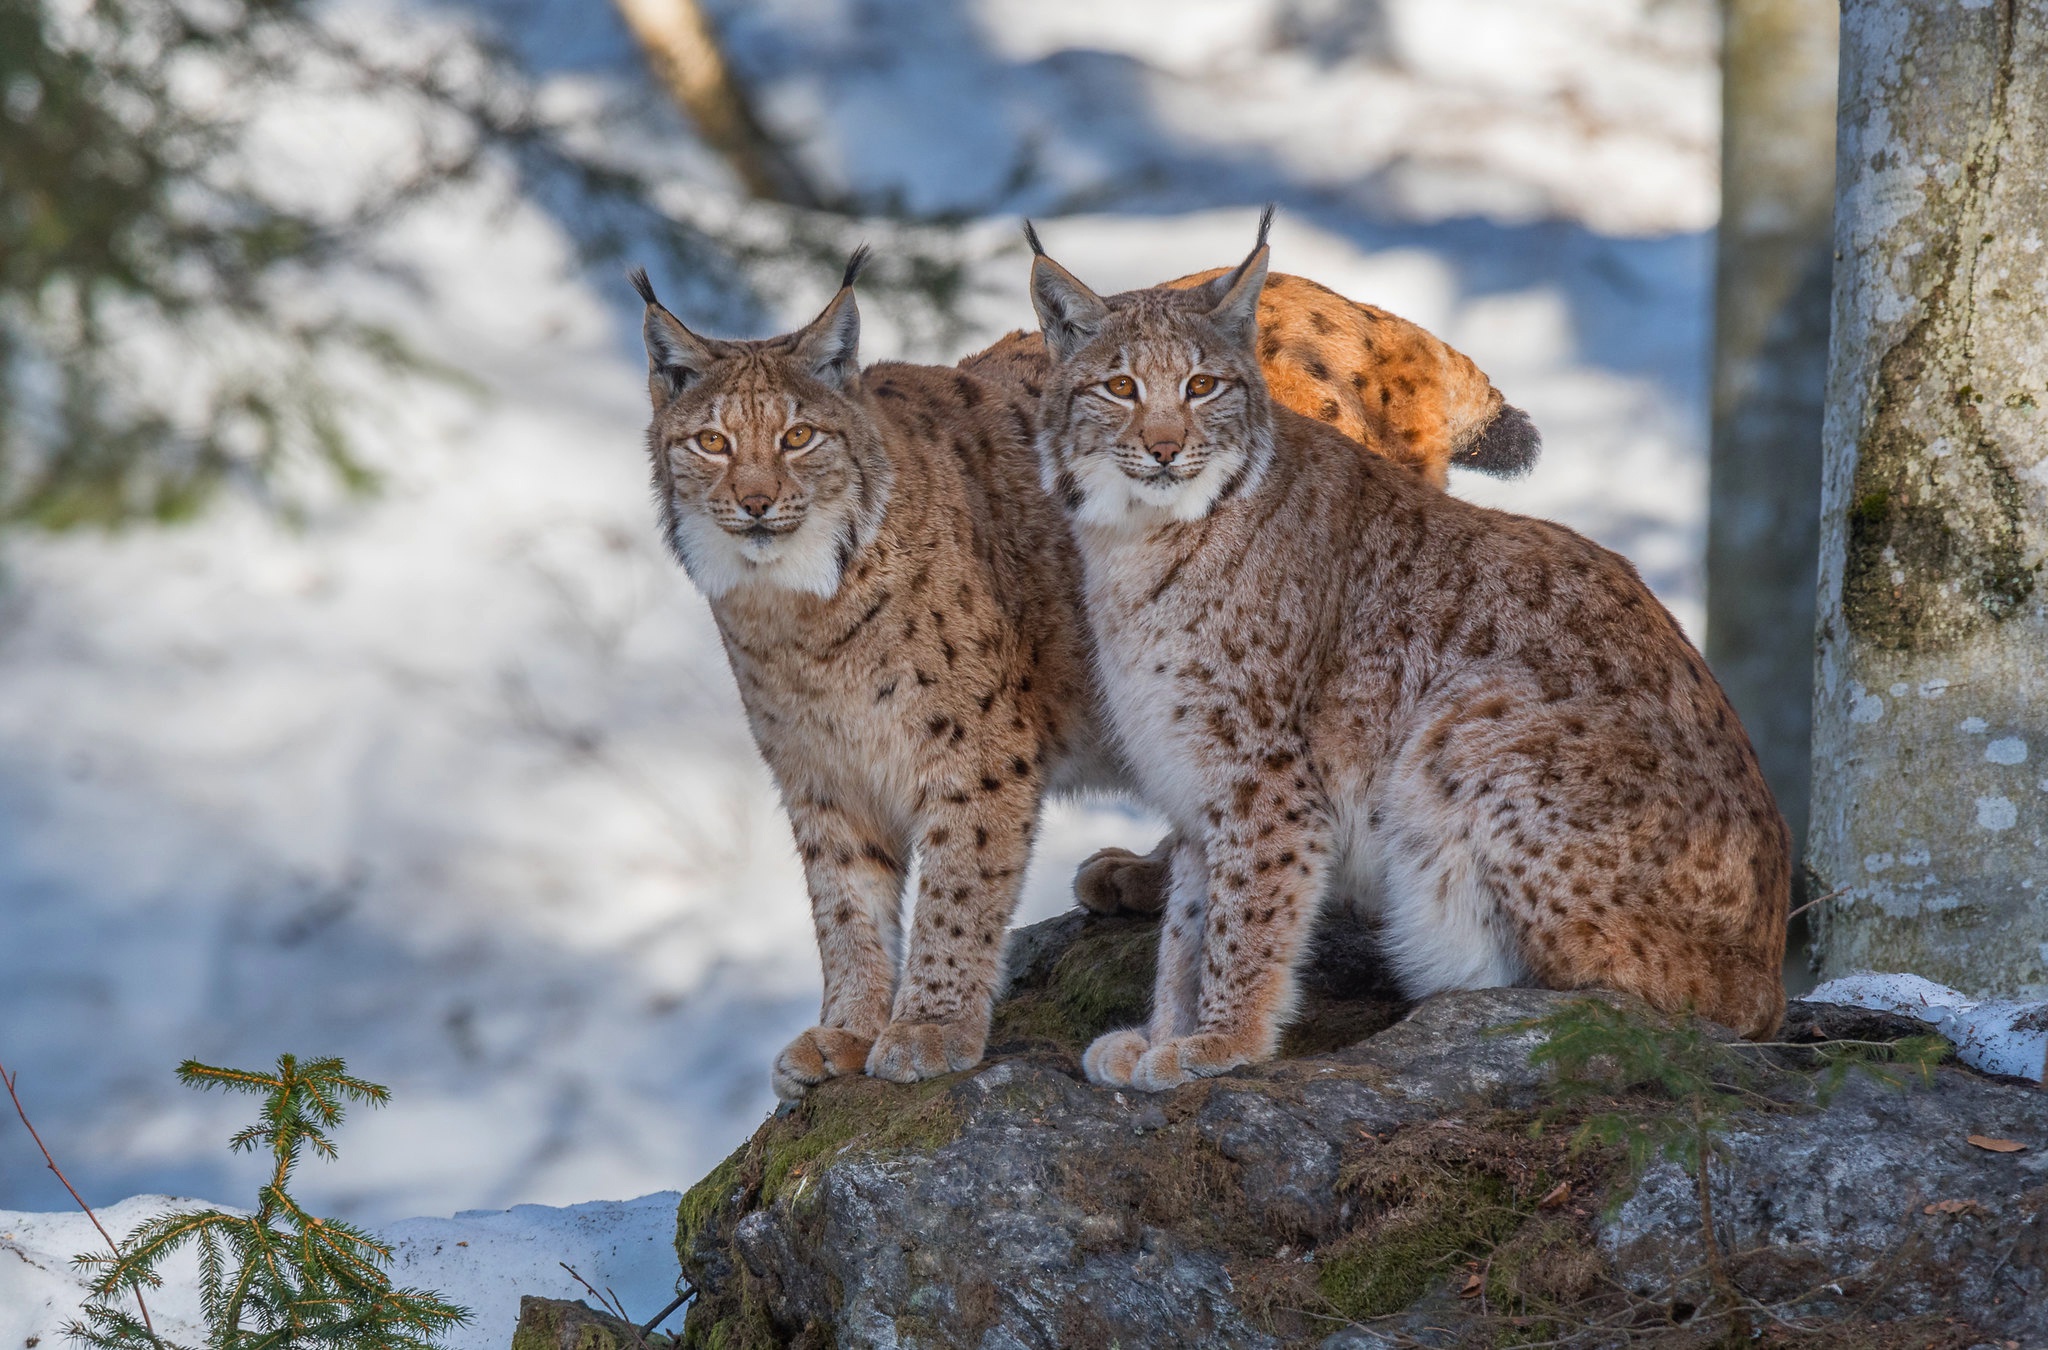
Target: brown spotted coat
<point>1336,681</point>
<point>899,600</point>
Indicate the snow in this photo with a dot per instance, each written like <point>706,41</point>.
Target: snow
<point>1989,1034</point>
<point>480,1259</point>
<point>453,781</point>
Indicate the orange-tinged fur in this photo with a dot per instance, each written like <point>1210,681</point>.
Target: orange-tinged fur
<point>1338,682</point>
<point>1391,385</point>
<point>900,603</point>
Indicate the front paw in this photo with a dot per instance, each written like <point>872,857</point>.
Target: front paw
<point>909,1052</point>
<point>1112,1057</point>
<point>818,1054</point>
<point>1184,1059</point>
<point>1118,881</point>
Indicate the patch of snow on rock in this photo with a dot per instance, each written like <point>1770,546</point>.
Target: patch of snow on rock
<point>1992,1035</point>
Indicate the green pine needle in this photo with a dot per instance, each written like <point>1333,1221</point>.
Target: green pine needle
<point>281,1278</point>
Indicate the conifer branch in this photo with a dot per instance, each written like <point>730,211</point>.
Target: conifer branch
<point>281,1278</point>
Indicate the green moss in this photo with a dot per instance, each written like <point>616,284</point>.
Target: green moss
<point>700,1204</point>
<point>1101,982</point>
<point>849,1114</point>
<point>1388,1267</point>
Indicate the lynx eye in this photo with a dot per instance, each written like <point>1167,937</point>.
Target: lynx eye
<point>1123,386</point>
<point>1200,386</point>
<point>797,437</point>
<point>711,442</point>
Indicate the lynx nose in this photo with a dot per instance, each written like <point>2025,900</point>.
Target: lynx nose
<point>1163,451</point>
<point>756,504</point>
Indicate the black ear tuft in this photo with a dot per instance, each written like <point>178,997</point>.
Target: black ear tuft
<point>858,261</point>
<point>1506,448</point>
<point>1265,223</point>
<point>1031,238</point>
<point>638,276</point>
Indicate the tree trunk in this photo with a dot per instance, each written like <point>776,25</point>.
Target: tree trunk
<point>683,50</point>
<point>1930,766</point>
<point>1773,258</point>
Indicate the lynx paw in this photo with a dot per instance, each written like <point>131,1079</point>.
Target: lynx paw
<point>1118,881</point>
<point>818,1054</point>
<point>1113,1056</point>
<point>908,1052</point>
<point>1184,1059</point>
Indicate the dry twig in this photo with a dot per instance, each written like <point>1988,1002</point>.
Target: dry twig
<point>10,1080</point>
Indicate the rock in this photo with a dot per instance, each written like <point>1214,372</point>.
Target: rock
<point>554,1324</point>
<point>1383,1183</point>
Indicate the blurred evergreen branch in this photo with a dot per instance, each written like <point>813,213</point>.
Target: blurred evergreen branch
<point>280,1277</point>
<point>159,335</point>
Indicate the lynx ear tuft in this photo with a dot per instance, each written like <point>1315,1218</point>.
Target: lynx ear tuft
<point>1031,238</point>
<point>829,346</point>
<point>638,276</point>
<point>1069,314</point>
<point>855,265</point>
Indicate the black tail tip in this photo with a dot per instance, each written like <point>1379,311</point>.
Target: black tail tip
<point>1031,238</point>
<point>1265,224</point>
<point>1507,448</point>
<point>855,265</point>
<point>638,276</point>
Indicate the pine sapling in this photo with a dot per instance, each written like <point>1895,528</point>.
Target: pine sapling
<point>280,1278</point>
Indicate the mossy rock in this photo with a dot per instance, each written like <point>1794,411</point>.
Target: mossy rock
<point>1387,1166</point>
<point>556,1324</point>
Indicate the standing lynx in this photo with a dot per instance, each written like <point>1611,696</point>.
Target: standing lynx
<point>900,604</point>
<point>1334,680</point>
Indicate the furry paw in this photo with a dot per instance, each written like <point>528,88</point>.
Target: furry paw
<point>818,1054</point>
<point>908,1052</point>
<point>1113,1056</point>
<point>1184,1059</point>
<point>1118,881</point>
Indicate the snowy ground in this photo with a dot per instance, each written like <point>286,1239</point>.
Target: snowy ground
<point>453,782</point>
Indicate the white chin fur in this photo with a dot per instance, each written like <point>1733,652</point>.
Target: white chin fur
<point>1109,496</point>
<point>805,559</point>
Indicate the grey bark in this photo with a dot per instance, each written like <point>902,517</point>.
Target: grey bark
<point>1773,257</point>
<point>1930,765</point>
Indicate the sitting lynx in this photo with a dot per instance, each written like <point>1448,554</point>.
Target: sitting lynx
<point>1334,680</point>
<point>900,605</point>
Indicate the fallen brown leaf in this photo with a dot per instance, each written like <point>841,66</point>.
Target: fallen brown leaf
<point>1558,1195</point>
<point>1474,1283</point>
<point>1997,1145</point>
<point>1953,1207</point>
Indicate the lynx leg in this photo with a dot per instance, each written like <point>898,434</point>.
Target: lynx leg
<point>855,878</point>
<point>971,869</point>
<point>1263,895</point>
<point>1118,881</point>
<point>1176,990</point>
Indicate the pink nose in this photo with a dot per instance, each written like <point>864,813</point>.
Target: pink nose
<point>757,504</point>
<point>1164,451</point>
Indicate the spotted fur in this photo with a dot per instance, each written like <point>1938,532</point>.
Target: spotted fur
<point>899,602</point>
<point>1336,681</point>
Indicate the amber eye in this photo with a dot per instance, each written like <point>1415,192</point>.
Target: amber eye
<point>1199,385</point>
<point>797,437</point>
<point>1123,386</point>
<point>711,442</point>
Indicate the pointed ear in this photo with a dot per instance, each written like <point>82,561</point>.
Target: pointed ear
<point>829,346</point>
<point>1236,310</point>
<point>1234,296</point>
<point>1069,314</point>
<point>675,356</point>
